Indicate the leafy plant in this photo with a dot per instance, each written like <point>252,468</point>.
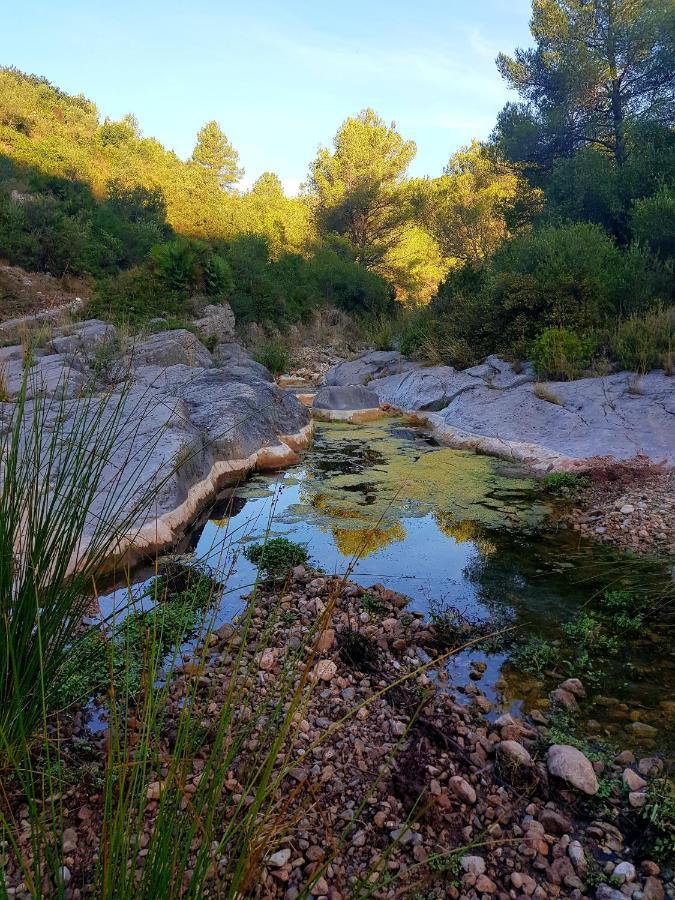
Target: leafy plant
<point>275,357</point>
<point>561,354</point>
<point>372,604</point>
<point>276,556</point>
<point>535,656</point>
<point>564,483</point>
<point>658,814</point>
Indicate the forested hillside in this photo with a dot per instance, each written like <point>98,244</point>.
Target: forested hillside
<point>554,238</point>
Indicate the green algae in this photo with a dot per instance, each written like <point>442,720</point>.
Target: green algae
<point>374,477</point>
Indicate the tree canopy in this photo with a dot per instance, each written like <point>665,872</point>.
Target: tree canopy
<point>216,154</point>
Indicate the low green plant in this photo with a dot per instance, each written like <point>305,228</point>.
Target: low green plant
<point>564,484</point>
<point>561,354</point>
<point>645,342</point>
<point>275,357</point>
<point>535,656</point>
<point>585,631</point>
<point>275,557</point>
<point>658,816</point>
<point>372,604</point>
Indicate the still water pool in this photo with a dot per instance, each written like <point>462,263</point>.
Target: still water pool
<point>453,529</point>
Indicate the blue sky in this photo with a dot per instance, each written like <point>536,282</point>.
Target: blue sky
<point>279,77</point>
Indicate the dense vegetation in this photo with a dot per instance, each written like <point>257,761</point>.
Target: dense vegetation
<point>554,239</point>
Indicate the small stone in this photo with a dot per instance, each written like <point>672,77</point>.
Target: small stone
<point>627,509</point>
<point>624,871</point>
<point>564,698</point>
<point>637,799</point>
<point>642,731</point>
<point>573,686</point>
<point>462,789</point>
<point>69,840</point>
<point>326,640</point>
<point>633,781</point>
<point>154,790</point>
<point>653,889</point>
<point>473,864</point>
<point>650,766</point>
<point>267,660</point>
<point>572,766</point>
<point>513,754</point>
<point>485,886</point>
<point>554,823</point>
<point>649,867</point>
<point>398,728</point>
<point>65,875</point>
<point>325,670</point>
<point>280,858</point>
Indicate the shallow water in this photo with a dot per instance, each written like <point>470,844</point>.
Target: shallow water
<point>448,527</point>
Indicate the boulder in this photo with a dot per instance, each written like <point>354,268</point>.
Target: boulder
<point>83,338</point>
<point>353,397</point>
<point>216,322</point>
<point>572,766</point>
<point>170,348</point>
<point>374,364</point>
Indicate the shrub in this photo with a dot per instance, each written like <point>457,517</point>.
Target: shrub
<point>653,223</point>
<point>275,357</point>
<point>561,354</point>
<point>175,264</point>
<point>276,557</point>
<point>218,281</point>
<point>644,342</point>
<point>135,295</point>
<point>535,656</point>
<point>564,483</point>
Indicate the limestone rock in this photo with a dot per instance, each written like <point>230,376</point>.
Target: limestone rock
<point>572,766</point>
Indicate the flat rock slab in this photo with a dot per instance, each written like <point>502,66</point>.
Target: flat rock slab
<point>497,409</point>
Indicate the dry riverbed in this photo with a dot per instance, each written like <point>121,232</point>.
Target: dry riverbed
<point>396,788</point>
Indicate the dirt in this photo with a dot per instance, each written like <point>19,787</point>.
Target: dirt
<point>26,293</point>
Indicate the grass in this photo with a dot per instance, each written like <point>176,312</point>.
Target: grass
<point>564,484</point>
<point>542,392</point>
<point>535,656</point>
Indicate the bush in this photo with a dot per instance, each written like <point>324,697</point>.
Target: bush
<point>276,557</point>
<point>653,223</point>
<point>175,264</point>
<point>134,296</point>
<point>275,357</point>
<point>641,343</point>
<point>561,354</point>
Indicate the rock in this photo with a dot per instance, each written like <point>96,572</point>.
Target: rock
<point>633,781</point>
<point>572,766</point>
<point>624,871</point>
<point>511,754</point>
<point>653,889</point>
<point>564,698</point>
<point>485,885</point>
<point>325,670</point>
<point>592,416</point>
<point>83,339</point>
<point>374,364</point>
<point>605,892</point>
<point>637,799</point>
<point>326,640</point>
<point>170,348</point>
<point>573,686</point>
<point>576,853</point>
<point>473,864</point>
<point>353,397</point>
<point>554,822</point>
<point>69,840</point>
<point>462,789</point>
<point>267,660</point>
<point>280,858</point>
<point>217,321</point>
<point>154,791</point>
<point>66,875</point>
<point>642,731</point>
<point>650,766</point>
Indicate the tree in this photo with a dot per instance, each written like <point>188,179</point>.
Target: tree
<point>465,209</point>
<point>596,64</point>
<point>216,154</point>
<point>357,188</point>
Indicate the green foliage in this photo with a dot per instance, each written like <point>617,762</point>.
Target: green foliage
<point>561,354</point>
<point>658,816</point>
<point>218,281</point>
<point>535,656</point>
<point>103,660</point>
<point>275,357</point>
<point>218,157</point>
<point>372,604</point>
<point>133,296</point>
<point>564,484</point>
<point>585,632</point>
<point>276,557</point>
<point>641,343</point>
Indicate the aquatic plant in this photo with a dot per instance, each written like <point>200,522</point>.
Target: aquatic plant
<point>276,557</point>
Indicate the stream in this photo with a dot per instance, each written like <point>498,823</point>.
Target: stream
<point>454,530</point>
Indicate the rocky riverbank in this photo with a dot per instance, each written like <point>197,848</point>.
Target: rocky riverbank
<point>191,419</point>
<point>499,409</point>
<point>631,506</point>
<point>392,783</point>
